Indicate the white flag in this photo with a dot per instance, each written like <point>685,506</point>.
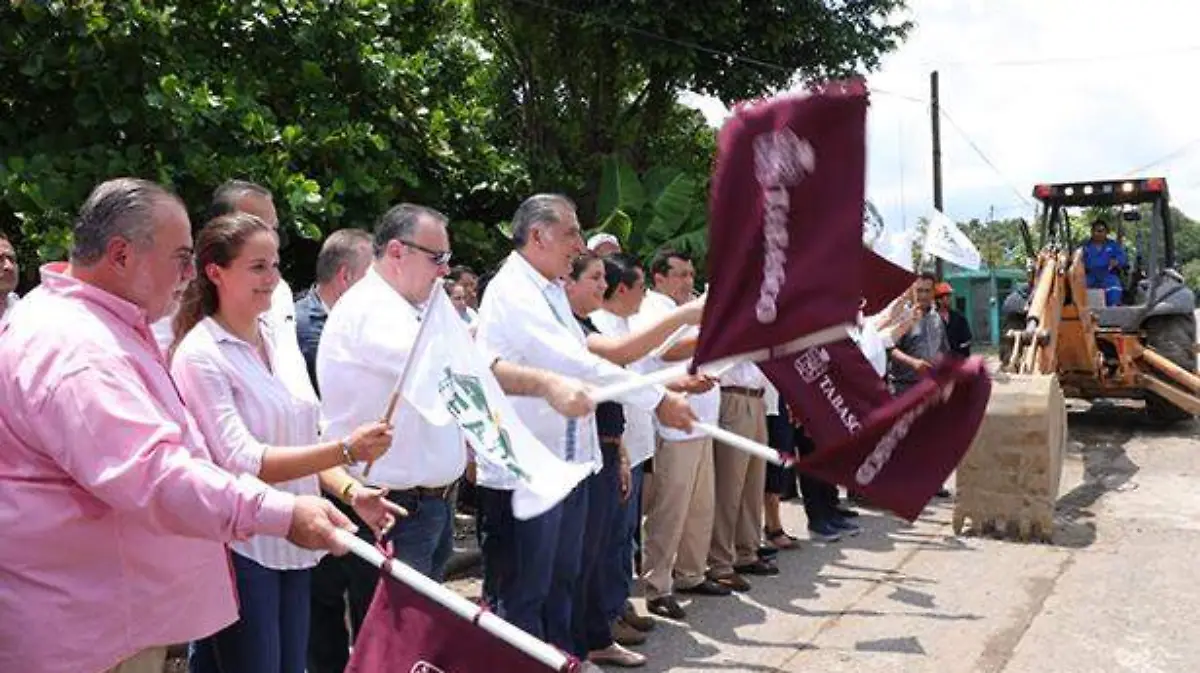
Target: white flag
<point>895,245</point>
<point>449,379</point>
<point>944,239</point>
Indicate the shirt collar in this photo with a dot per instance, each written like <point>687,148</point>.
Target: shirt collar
<point>220,334</point>
<point>543,283</point>
<point>378,286</point>
<point>56,281</point>
<point>320,302</point>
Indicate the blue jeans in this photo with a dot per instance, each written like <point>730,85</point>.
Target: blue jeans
<point>626,526</point>
<point>425,538</point>
<point>601,581</point>
<point>272,634</point>
<point>531,568</point>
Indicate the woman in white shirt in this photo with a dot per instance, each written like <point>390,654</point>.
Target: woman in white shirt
<point>602,586</point>
<point>259,415</point>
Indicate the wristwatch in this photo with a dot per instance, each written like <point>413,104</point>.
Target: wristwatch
<point>349,457</point>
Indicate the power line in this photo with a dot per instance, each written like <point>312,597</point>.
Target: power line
<point>1170,156</point>
<point>694,45</point>
<point>655,36</point>
<point>1061,60</point>
<point>984,156</point>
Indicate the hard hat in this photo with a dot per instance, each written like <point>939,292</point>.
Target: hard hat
<point>599,239</point>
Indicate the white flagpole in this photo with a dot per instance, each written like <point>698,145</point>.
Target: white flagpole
<point>717,367</point>
<point>401,572</point>
<point>742,443</point>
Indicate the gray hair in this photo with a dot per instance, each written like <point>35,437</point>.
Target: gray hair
<point>344,247</point>
<point>399,223</point>
<point>226,197</point>
<point>538,209</point>
<point>118,207</point>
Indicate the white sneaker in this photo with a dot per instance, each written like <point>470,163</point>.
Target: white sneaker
<point>616,655</point>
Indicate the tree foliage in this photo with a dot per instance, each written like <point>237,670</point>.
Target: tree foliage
<point>340,108</point>
<point>344,107</point>
<point>582,80</point>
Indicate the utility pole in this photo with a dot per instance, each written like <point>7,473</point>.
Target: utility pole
<point>935,117</point>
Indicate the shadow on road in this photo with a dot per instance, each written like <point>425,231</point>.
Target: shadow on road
<point>1098,437</point>
<point>806,574</point>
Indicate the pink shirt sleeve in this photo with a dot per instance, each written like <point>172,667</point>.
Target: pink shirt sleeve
<point>117,442</point>
<point>208,394</point>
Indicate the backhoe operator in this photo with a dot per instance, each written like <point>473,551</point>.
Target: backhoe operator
<point>1104,259</point>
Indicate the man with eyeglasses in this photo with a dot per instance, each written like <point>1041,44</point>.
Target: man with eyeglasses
<point>363,351</point>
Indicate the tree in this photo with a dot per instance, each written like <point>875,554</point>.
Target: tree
<point>581,80</point>
<point>340,108</point>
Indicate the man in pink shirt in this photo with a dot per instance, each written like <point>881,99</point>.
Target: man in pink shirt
<point>112,515</point>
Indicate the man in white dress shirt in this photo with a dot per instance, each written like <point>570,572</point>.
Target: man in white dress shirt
<point>9,273</point>
<point>240,196</point>
<point>679,510</point>
<point>531,567</point>
<point>362,354</point>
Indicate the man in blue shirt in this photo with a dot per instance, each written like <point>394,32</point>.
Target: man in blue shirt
<point>1104,259</point>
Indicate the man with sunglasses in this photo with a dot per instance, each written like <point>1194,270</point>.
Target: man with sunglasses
<point>367,340</point>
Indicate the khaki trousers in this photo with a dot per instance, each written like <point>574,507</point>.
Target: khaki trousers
<point>679,517</point>
<point>150,660</point>
<point>739,484</point>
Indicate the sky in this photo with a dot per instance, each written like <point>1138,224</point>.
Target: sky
<point>1043,91</point>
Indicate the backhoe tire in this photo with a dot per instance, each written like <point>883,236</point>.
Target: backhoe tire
<point>1012,321</point>
<point>1173,337</point>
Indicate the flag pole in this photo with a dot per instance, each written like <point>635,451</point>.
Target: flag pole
<point>743,444</point>
<point>402,572</point>
<point>717,367</point>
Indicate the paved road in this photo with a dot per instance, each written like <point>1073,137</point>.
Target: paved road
<point>1116,590</point>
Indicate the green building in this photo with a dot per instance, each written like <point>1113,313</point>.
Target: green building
<point>979,295</point>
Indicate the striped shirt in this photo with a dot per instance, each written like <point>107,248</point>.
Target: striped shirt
<point>242,407</point>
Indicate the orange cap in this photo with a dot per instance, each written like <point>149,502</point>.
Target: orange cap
<point>942,289</point>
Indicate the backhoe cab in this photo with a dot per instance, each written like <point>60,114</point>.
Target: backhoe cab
<point>1100,350</point>
<point>1063,338</point>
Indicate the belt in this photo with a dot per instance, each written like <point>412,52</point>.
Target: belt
<point>609,439</point>
<point>426,492</point>
<point>739,390</point>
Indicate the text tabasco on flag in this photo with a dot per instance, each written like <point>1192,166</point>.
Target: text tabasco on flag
<point>787,260</point>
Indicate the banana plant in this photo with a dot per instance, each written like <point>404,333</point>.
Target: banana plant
<point>664,207</point>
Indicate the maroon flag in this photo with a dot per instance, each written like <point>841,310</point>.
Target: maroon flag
<point>897,452</point>
<point>882,281</point>
<point>786,260</point>
<point>785,221</point>
<point>405,632</point>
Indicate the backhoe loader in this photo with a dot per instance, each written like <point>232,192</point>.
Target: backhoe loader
<point>1061,340</point>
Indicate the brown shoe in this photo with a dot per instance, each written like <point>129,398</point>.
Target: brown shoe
<point>640,622</point>
<point>666,606</point>
<point>625,634</point>
<point>734,581</point>
<point>615,655</point>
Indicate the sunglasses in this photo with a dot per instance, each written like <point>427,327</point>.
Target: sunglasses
<point>440,258</point>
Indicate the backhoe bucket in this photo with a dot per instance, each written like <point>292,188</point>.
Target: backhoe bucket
<point>1008,482</point>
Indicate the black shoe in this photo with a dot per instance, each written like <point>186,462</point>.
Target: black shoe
<point>846,512</point>
<point>665,607</point>
<point>766,552</point>
<point>844,526</point>
<point>707,588</point>
<point>761,568</point>
<point>943,493</point>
